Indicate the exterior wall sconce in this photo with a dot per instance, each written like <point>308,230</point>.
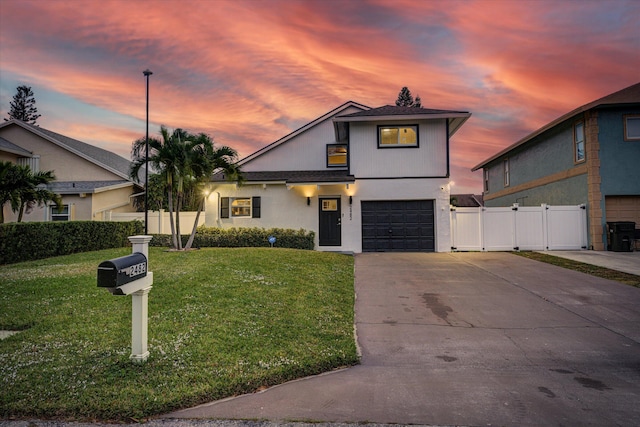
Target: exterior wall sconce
<point>350,200</point>
<point>308,201</point>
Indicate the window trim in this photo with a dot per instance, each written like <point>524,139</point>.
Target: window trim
<point>575,142</point>
<point>60,216</point>
<point>486,180</point>
<point>506,170</point>
<point>346,155</point>
<point>398,145</point>
<point>626,117</point>
<point>226,208</point>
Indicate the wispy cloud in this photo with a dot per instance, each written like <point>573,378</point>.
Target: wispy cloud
<point>250,72</point>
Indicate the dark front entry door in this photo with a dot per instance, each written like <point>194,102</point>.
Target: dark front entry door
<point>330,233</point>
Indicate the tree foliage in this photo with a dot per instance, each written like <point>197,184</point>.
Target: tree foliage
<point>182,162</point>
<point>405,99</point>
<point>24,190</point>
<point>23,106</point>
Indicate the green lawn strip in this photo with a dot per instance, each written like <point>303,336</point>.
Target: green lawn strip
<point>594,270</point>
<point>221,322</point>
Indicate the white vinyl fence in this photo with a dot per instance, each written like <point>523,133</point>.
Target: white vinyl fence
<point>519,228</point>
<point>159,220</point>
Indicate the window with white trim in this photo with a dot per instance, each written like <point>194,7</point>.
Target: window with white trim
<point>632,127</point>
<point>486,180</point>
<point>63,213</point>
<point>578,141</point>
<point>505,165</point>
<point>397,136</point>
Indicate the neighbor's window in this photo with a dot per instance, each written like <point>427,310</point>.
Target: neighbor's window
<point>486,180</point>
<point>397,136</point>
<point>59,214</point>
<point>336,155</point>
<point>505,164</point>
<point>632,128</point>
<point>578,138</point>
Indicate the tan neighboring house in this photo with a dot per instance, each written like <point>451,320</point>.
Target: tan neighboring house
<point>92,182</point>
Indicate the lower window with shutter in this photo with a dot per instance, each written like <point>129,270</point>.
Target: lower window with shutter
<point>240,207</point>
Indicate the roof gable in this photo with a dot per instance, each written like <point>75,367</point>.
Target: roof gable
<point>627,96</point>
<point>304,128</point>
<point>98,156</point>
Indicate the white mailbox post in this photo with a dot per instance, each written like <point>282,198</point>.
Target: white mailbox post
<point>140,306</point>
<point>129,275</point>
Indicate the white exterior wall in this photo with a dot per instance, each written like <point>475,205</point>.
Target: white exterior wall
<point>284,208</point>
<point>429,159</point>
<point>305,151</point>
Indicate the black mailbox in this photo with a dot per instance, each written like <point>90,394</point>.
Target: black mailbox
<point>120,271</point>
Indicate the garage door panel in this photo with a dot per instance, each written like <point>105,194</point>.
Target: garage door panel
<point>398,226</point>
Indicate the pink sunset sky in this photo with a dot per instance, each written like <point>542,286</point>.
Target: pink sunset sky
<point>250,72</point>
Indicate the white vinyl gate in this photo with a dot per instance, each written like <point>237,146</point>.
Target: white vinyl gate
<point>519,228</point>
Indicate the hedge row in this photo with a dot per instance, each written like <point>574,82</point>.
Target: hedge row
<point>211,237</point>
<point>36,240</point>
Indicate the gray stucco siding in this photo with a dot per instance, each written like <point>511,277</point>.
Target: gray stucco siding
<point>550,153</point>
<point>619,159</point>
<point>570,191</point>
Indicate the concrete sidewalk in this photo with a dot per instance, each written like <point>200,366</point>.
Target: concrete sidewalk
<point>471,339</point>
<point>627,262</point>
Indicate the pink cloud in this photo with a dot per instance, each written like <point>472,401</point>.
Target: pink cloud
<point>248,73</point>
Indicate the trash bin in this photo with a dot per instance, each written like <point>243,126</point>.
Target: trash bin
<point>621,236</point>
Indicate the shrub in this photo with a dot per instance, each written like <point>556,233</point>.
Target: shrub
<point>26,241</point>
<point>212,237</point>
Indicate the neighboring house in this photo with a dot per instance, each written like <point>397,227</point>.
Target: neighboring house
<point>92,182</point>
<point>589,156</point>
<point>467,200</point>
<point>362,179</point>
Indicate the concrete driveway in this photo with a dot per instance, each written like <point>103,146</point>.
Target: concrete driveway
<point>471,339</point>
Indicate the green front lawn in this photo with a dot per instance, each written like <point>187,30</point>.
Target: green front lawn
<point>221,322</point>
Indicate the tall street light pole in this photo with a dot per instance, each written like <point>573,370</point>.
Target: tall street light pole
<point>146,73</point>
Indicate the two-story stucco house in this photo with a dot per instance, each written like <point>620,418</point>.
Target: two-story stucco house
<point>588,156</point>
<point>91,181</point>
<point>362,179</point>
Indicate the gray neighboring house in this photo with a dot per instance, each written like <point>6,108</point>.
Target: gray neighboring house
<point>92,181</point>
<point>589,156</point>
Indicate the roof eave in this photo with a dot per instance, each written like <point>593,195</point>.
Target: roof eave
<point>66,147</point>
<point>392,117</point>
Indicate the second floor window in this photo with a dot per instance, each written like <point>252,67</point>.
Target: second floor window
<point>632,128</point>
<point>336,155</point>
<point>505,165</point>
<point>397,136</point>
<point>578,138</point>
<point>486,180</point>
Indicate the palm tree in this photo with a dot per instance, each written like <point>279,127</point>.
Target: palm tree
<point>181,158</point>
<point>33,190</point>
<point>24,189</point>
<point>206,159</point>
<point>163,158</point>
<point>8,193</point>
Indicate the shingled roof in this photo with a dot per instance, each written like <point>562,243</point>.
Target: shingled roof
<point>103,158</point>
<point>394,110</point>
<point>10,147</point>
<point>294,177</point>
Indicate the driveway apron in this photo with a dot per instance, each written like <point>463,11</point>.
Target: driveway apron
<point>471,339</point>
